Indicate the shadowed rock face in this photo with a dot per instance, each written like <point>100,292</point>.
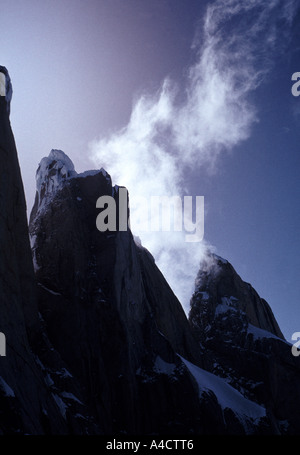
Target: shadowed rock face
<point>97,343</point>
<point>27,402</point>
<point>116,323</point>
<point>221,294</point>
<point>108,309</point>
<point>24,398</point>
<point>242,342</point>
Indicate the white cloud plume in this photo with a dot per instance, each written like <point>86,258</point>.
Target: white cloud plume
<point>179,129</point>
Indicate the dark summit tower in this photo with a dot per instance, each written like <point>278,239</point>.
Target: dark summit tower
<point>27,404</point>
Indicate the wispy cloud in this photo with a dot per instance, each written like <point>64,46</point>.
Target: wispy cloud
<point>183,127</point>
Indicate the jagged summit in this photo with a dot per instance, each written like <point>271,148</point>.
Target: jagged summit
<point>242,342</point>
<point>220,292</point>
<point>53,172</point>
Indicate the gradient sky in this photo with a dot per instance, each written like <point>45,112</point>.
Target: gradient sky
<point>88,76</point>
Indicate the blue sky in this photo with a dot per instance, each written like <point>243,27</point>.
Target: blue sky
<point>188,96</point>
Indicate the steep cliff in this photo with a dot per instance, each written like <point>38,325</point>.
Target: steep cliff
<point>242,343</point>
<point>27,403</point>
<point>107,308</point>
<point>97,342</point>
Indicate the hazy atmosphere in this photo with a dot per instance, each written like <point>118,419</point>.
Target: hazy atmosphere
<point>172,97</point>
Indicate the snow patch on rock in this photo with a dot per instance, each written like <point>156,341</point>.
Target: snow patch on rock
<point>52,174</point>
<point>163,367</point>
<point>70,396</point>
<point>61,404</point>
<point>6,389</point>
<point>227,396</point>
<point>228,304</point>
<point>258,334</point>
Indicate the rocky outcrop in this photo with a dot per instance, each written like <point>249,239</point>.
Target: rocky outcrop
<point>220,291</point>
<point>97,343</point>
<point>242,343</point>
<point>32,374</point>
<point>108,309</point>
<point>22,395</point>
